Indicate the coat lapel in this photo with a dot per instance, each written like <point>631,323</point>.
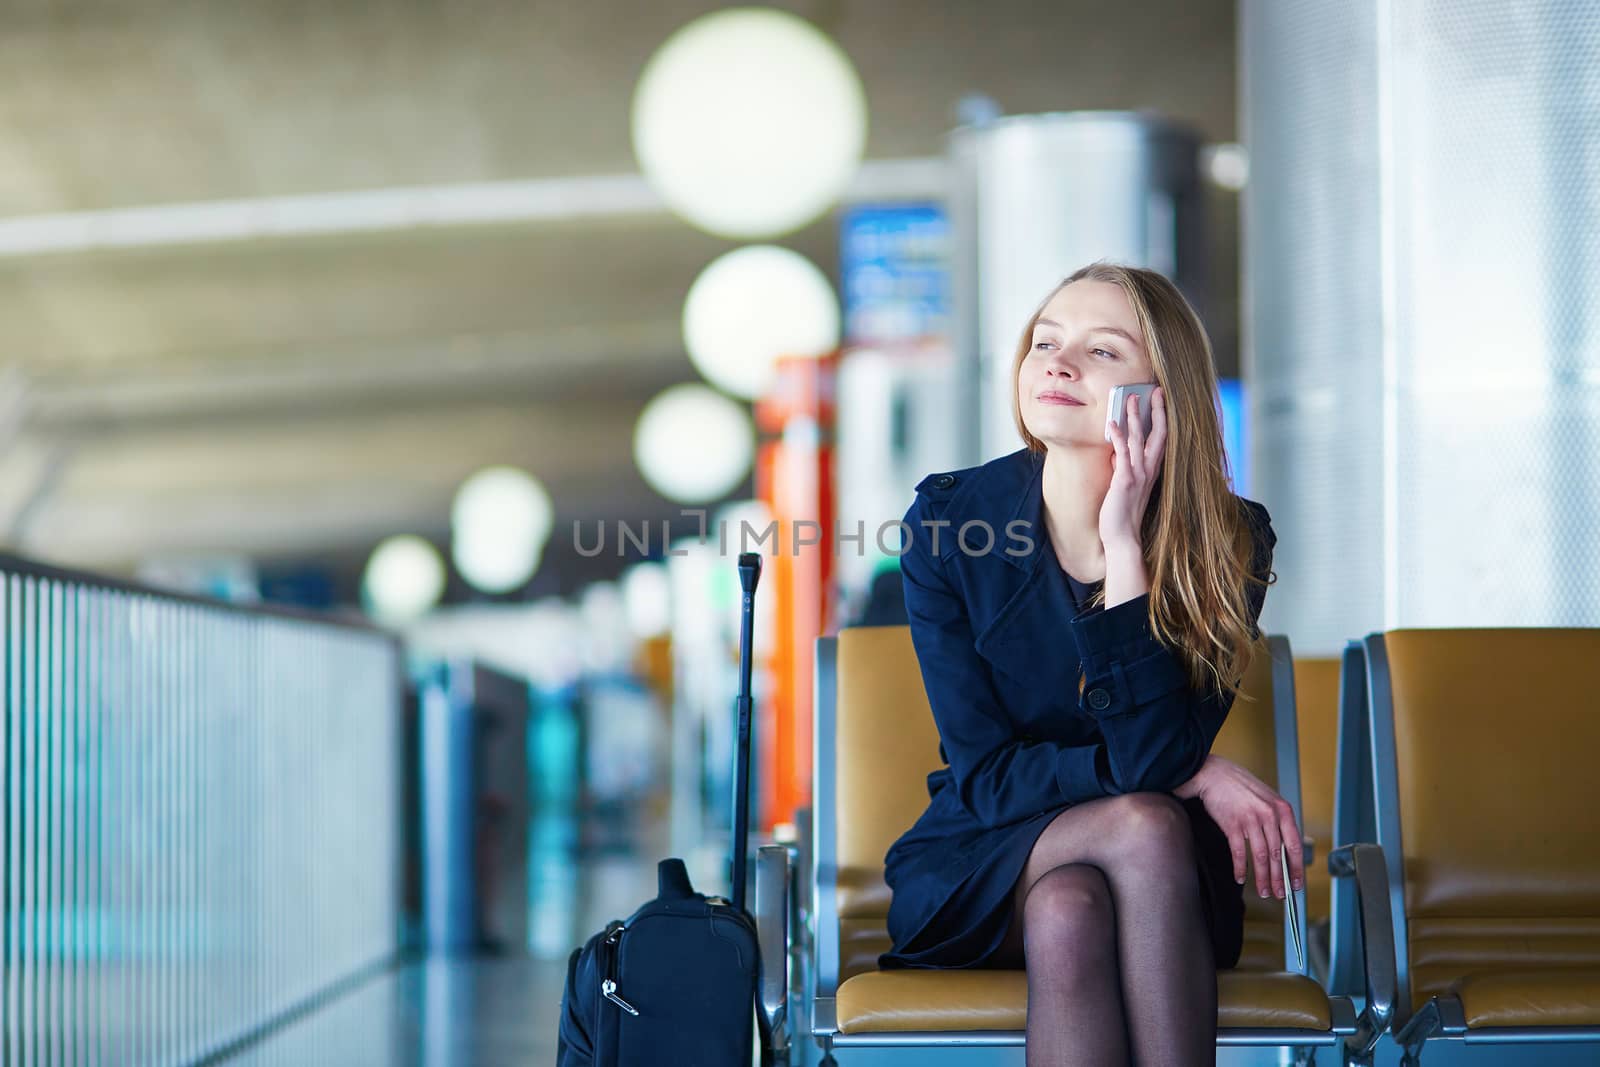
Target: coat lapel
<point>1035,605</point>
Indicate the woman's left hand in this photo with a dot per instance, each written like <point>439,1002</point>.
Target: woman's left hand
<point>1258,823</point>
<point>1135,465</point>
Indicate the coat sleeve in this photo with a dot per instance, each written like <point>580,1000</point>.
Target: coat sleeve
<point>1158,729</point>
<point>999,778</point>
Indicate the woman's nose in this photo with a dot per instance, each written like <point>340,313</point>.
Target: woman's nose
<point>1061,368</point>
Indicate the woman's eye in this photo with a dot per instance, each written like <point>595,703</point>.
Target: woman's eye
<point>1041,344</point>
<point>1103,352</point>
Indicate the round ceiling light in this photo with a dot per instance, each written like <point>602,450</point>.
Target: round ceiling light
<point>404,580</point>
<point>749,122</point>
<point>647,599</point>
<point>500,522</point>
<point>692,444</point>
<point>750,307</point>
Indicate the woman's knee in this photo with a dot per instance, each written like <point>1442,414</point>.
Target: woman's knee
<point>1068,911</point>
<point>1153,826</point>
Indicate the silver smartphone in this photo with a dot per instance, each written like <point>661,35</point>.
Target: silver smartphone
<point>1117,405</point>
<point>1291,906</point>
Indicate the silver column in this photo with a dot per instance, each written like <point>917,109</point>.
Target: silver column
<point>1033,198</point>
<point>1422,234</point>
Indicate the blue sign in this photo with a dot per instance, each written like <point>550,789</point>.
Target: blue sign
<point>1235,442</point>
<point>895,272</point>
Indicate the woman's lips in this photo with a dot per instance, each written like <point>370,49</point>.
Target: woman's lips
<point>1059,398</point>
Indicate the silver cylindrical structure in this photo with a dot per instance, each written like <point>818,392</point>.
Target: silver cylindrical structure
<point>1033,198</point>
<point>1422,308</point>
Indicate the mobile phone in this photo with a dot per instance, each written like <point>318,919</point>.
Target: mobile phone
<point>1291,906</point>
<point>1117,405</point>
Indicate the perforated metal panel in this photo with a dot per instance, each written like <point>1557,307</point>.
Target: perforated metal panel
<point>1421,295</point>
<point>1496,221</point>
<point>1312,310</point>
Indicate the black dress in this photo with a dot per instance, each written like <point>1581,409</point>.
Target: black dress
<point>972,922</point>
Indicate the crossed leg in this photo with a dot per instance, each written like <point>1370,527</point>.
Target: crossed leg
<point>1108,922</point>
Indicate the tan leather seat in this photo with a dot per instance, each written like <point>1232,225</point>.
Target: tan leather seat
<point>1530,998</point>
<point>1488,771</point>
<point>1316,698</point>
<point>998,1000</point>
<point>886,745</point>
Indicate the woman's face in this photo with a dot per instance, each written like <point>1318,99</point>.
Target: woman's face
<point>1086,340</point>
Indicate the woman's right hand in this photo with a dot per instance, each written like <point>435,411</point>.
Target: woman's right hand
<point>1256,819</point>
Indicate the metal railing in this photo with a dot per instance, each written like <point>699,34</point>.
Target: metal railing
<point>199,817</point>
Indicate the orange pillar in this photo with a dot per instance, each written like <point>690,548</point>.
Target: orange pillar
<point>795,480</point>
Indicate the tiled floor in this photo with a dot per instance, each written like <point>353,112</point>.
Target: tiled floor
<point>482,1011</point>
<point>441,1013</point>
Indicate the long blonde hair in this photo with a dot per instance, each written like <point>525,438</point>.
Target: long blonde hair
<point>1198,542</point>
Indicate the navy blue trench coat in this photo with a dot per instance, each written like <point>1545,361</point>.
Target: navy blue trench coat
<point>1001,640</point>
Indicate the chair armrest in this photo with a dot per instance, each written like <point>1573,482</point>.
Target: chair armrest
<point>1442,1014</point>
<point>773,876</point>
<point>1365,864</point>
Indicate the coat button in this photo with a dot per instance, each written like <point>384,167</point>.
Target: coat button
<point>1099,699</point>
<point>944,481</point>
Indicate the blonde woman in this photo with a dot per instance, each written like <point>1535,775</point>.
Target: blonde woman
<point>1082,612</point>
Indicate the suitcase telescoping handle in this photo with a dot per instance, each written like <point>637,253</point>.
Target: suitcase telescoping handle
<point>749,575</point>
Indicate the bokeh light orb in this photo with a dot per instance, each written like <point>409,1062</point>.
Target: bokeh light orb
<point>500,522</point>
<point>403,581</point>
<point>749,122</point>
<point>647,599</point>
<point>1227,165</point>
<point>495,565</point>
<point>752,305</point>
<point>601,607</point>
<point>745,526</point>
<point>607,638</point>
<point>692,444</point>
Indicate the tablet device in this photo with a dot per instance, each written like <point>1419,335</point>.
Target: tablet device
<point>1291,907</point>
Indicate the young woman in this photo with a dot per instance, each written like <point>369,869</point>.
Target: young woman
<point>1082,613</point>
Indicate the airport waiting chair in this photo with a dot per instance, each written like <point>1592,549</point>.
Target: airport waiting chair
<point>1352,821</point>
<point>876,742</point>
<point>1261,737</point>
<point>1316,694</point>
<point>1483,746</point>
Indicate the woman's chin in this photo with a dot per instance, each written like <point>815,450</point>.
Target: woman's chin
<point>1058,436</point>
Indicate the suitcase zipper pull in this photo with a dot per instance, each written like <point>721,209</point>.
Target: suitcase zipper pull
<point>608,988</point>
<point>608,985</point>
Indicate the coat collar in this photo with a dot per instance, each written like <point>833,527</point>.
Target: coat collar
<point>998,493</point>
<point>1037,605</point>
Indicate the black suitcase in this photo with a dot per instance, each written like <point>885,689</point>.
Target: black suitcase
<point>678,983</point>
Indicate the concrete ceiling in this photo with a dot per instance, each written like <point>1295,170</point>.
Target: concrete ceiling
<point>290,397</point>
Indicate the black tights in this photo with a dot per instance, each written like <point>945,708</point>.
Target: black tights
<point>1108,922</point>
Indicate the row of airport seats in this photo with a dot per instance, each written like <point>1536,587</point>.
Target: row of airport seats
<point>1467,756</point>
<point>1473,768</point>
<point>1452,771</point>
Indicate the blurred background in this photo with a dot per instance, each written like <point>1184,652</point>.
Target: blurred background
<point>386,389</point>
